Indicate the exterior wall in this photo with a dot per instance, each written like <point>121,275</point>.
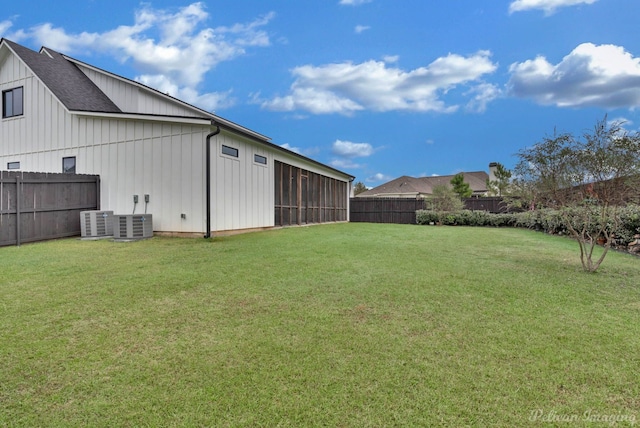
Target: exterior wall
<point>242,190</point>
<point>243,195</point>
<point>164,161</point>
<point>43,125</point>
<point>132,99</point>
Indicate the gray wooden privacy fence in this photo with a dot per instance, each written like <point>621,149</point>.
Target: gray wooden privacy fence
<point>38,206</point>
<point>403,210</point>
<point>385,210</point>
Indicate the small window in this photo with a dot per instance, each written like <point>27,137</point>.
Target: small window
<point>12,103</point>
<point>13,165</point>
<point>69,165</point>
<point>260,159</point>
<point>229,151</point>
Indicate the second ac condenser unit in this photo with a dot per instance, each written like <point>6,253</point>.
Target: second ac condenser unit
<point>96,224</point>
<point>132,226</point>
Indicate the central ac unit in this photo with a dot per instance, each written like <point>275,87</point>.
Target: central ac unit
<point>132,226</point>
<point>96,224</point>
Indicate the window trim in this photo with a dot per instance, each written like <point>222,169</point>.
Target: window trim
<point>255,160</point>
<point>75,165</point>
<point>231,152</point>
<point>12,91</point>
<point>13,165</point>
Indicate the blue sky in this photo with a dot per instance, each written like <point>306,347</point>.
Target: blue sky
<point>376,88</point>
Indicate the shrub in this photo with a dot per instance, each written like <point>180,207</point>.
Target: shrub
<point>545,220</point>
<point>427,217</point>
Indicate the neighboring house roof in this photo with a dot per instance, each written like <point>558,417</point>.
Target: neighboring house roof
<point>410,186</point>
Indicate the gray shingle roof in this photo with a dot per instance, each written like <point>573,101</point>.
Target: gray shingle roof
<point>70,85</point>
<point>424,185</point>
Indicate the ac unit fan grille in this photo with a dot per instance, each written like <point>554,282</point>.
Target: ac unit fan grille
<point>101,226</point>
<point>123,226</point>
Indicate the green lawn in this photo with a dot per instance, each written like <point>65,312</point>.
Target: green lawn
<point>348,325</point>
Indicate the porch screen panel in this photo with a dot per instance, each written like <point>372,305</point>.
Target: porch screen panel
<point>303,197</point>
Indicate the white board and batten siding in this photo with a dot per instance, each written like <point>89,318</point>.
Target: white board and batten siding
<point>43,125</point>
<point>164,161</point>
<point>242,190</point>
<point>131,98</point>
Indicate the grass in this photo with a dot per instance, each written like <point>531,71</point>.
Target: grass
<point>335,325</point>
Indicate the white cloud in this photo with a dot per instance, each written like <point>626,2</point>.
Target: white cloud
<point>354,2</point>
<point>391,58</point>
<point>347,150</point>
<point>374,85</point>
<point>344,164</point>
<point>591,75</point>
<point>483,94</point>
<point>549,6</point>
<point>376,178</point>
<point>208,101</point>
<point>313,100</point>
<point>171,49</point>
<point>625,124</point>
<point>361,28</point>
<point>350,150</point>
<point>620,121</point>
<point>4,27</point>
<point>289,147</point>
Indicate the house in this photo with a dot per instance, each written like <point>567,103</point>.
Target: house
<point>421,187</point>
<point>194,171</point>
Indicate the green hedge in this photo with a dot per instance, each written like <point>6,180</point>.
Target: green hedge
<point>546,220</point>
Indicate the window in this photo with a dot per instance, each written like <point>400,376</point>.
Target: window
<point>12,103</point>
<point>13,165</point>
<point>260,159</point>
<point>229,151</point>
<point>69,165</point>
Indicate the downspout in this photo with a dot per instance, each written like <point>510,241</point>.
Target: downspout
<point>208,175</point>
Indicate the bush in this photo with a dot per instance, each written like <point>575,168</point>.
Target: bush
<point>465,218</point>
<point>545,220</point>
<point>427,217</point>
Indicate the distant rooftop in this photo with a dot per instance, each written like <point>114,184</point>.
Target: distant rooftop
<point>406,186</point>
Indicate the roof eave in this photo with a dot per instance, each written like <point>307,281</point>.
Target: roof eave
<point>150,117</point>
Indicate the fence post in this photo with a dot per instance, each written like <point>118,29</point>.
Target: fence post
<point>18,194</point>
<point>98,192</point>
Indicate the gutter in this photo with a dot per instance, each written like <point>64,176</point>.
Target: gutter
<point>207,233</point>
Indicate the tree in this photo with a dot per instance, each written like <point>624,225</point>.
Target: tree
<point>444,199</point>
<point>500,185</point>
<point>586,179</point>
<point>358,188</point>
<point>460,187</point>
